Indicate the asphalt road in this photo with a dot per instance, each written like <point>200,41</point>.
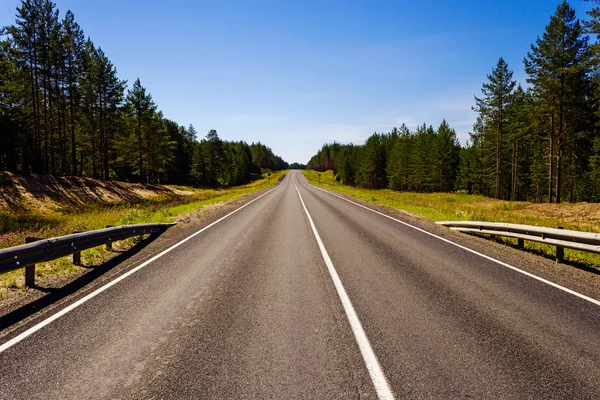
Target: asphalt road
<point>269,303</point>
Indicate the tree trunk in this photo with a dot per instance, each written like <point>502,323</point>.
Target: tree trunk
<point>571,177</point>
<point>103,147</point>
<point>105,134</point>
<point>594,181</point>
<point>499,156</point>
<point>551,160</point>
<point>46,138</point>
<point>51,124</point>
<point>515,166</point>
<point>36,137</point>
<point>558,168</point>
<point>559,142</point>
<point>72,118</point>
<point>94,163</point>
<point>38,161</point>
<point>141,157</point>
<point>64,141</point>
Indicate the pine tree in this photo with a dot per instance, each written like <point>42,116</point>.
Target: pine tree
<point>192,133</point>
<point>519,136</point>
<point>178,168</point>
<point>492,106</point>
<point>398,163</point>
<point>447,159</point>
<point>477,169</point>
<point>346,167</point>
<point>24,43</point>
<point>371,170</point>
<point>594,163</point>
<point>198,168</point>
<point>110,91</point>
<point>422,176</point>
<point>556,69</point>
<point>14,140</point>
<point>74,42</point>
<point>142,109</point>
<point>214,154</point>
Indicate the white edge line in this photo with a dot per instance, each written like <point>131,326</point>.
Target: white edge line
<point>96,292</point>
<point>377,377</point>
<point>555,285</point>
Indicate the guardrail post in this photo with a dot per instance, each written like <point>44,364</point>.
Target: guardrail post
<point>109,244</point>
<point>560,251</point>
<point>30,269</point>
<point>77,258</point>
<point>520,243</point>
<point>77,255</point>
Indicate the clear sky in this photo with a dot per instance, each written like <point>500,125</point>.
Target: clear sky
<point>296,74</point>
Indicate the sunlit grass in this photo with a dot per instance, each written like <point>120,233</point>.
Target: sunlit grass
<point>15,226</point>
<point>465,207</point>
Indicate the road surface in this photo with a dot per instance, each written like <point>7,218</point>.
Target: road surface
<point>301,294</point>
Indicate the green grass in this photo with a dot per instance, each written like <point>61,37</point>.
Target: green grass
<point>465,207</point>
<point>15,226</point>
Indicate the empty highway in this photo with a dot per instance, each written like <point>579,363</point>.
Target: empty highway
<point>301,294</point>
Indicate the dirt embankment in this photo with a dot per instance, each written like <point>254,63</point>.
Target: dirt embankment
<point>44,192</point>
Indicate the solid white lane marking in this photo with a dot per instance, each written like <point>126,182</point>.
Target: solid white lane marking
<point>555,285</point>
<point>96,292</point>
<point>377,377</point>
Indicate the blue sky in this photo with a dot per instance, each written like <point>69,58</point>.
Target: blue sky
<point>297,74</point>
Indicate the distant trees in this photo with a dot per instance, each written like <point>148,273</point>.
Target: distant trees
<point>64,111</point>
<point>540,143</point>
<point>296,165</point>
<point>426,160</point>
<point>219,163</point>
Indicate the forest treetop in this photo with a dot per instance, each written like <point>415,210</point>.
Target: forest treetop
<point>65,111</point>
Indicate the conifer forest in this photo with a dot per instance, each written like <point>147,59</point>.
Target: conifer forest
<point>65,111</point>
<point>537,140</point>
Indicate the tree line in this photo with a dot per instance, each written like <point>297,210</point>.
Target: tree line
<point>425,160</point>
<point>538,142</point>
<point>65,111</point>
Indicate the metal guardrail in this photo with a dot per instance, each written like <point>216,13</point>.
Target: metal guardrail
<point>561,238</point>
<point>36,250</point>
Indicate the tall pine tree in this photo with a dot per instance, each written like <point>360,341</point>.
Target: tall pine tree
<point>556,70</point>
<point>492,106</point>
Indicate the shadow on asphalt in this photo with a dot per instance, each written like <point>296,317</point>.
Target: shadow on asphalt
<point>55,294</point>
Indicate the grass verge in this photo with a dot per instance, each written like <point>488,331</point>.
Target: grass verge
<point>465,207</point>
<point>15,226</point>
